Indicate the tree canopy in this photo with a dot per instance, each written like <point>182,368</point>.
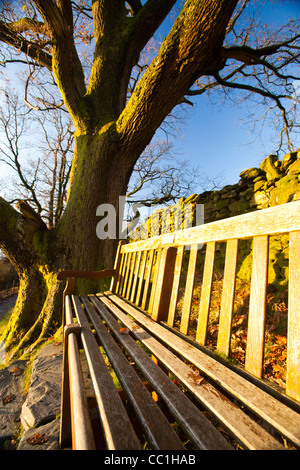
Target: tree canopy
<point>90,52</point>
<point>68,38</point>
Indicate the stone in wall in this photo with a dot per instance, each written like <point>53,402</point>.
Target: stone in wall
<point>271,168</point>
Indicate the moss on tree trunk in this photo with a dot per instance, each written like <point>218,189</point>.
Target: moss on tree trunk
<point>110,135</point>
<point>72,244</point>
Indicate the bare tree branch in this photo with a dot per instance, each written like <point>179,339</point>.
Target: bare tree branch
<point>249,55</point>
<point>265,69</point>
<point>160,176</point>
<point>171,73</point>
<point>65,61</point>
<point>135,6</point>
<point>33,50</point>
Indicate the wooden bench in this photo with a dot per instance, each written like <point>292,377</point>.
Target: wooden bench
<point>176,392</point>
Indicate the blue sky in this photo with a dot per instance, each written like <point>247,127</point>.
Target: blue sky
<point>215,137</point>
<point>216,140</point>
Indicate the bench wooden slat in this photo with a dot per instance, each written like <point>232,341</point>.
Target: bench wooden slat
<point>234,419</point>
<point>120,283</point>
<point>257,307</point>
<point>175,288</point>
<point>119,433</point>
<point>131,274</point>
<point>284,419</point>
<point>123,272</point>
<point>126,274</point>
<point>147,278</point>
<point>226,311</point>
<point>117,267</point>
<point>116,282</point>
<point>135,276</point>
<point>154,422</point>
<point>164,284</point>
<point>293,344</point>
<point>271,221</point>
<point>189,287</point>
<point>65,274</point>
<point>205,293</point>
<point>155,273</point>
<point>201,432</point>
<point>82,434</point>
<point>141,277</point>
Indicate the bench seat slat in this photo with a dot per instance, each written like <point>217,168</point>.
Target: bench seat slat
<point>201,432</point>
<point>117,428</point>
<point>284,419</point>
<point>248,432</point>
<point>154,422</point>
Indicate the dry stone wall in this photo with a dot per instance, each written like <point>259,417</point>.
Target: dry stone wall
<point>275,182</point>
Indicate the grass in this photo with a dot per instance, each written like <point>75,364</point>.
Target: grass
<point>4,320</point>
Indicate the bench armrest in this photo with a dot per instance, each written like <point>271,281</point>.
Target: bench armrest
<point>86,274</point>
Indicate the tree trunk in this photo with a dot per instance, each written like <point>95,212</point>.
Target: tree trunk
<point>36,314</point>
<point>109,137</point>
<point>98,177</point>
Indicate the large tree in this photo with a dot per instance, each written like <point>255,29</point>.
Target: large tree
<point>111,128</point>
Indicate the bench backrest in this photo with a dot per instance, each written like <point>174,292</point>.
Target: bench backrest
<point>151,277</point>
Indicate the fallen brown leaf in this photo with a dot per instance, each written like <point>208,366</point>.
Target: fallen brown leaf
<point>124,331</point>
<point>15,371</point>
<point>196,378</point>
<point>8,399</point>
<point>37,439</point>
